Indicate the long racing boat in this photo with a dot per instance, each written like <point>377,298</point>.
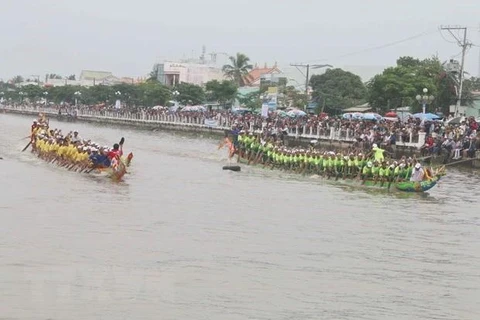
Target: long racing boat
<point>78,155</point>
<point>404,186</point>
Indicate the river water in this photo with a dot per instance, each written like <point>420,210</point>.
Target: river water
<point>182,239</point>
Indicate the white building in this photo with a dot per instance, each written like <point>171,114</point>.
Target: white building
<point>171,73</point>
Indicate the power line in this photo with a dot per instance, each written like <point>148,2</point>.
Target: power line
<point>464,44</point>
<point>307,79</point>
<point>390,44</point>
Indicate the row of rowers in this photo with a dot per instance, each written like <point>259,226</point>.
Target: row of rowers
<point>288,155</point>
<point>372,164</point>
<point>72,148</point>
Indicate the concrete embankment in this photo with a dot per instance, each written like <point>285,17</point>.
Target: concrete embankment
<point>141,124</point>
<point>178,125</point>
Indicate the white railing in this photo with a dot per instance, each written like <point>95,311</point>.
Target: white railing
<point>221,123</point>
<point>348,135</point>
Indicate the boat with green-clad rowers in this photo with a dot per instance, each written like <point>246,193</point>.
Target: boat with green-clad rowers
<point>370,170</point>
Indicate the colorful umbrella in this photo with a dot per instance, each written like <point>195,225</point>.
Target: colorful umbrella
<point>194,109</point>
<point>296,113</point>
<point>426,116</point>
<point>347,115</point>
<point>391,114</point>
<point>280,113</point>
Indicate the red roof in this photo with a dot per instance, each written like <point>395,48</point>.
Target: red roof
<point>256,73</point>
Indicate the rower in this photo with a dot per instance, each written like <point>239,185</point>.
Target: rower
<point>94,157</point>
<point>367,171</point>
<point>102,158</point>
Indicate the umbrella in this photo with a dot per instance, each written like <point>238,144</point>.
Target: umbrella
<point>194,109</point>
<point>456,120</point>
<point>391,114</point>
<point>296,113</point>
<point>281,113</point>
<point>426,116</point>
<point>241,111</point>
<point>357,116</point>
<point>347,116</point>
<point>372,116</point>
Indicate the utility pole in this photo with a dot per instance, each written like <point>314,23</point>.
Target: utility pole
<point>307,74</point>
<point>478,54</point>
<point>464,44</point>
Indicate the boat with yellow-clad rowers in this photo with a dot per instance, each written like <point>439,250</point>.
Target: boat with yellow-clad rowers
<point>76,154</point>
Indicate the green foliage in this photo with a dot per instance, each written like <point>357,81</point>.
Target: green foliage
<point>338,88</point>
<point>238,69</point>
<point>146,94</point>
<point>190,94</point>
<point>152,76</point>
<point>33,91</point>
<point>17,79</point>
<point>222,92</point>
<point>54,76</point>
<point>398,86</point>
<point>294,98</point>
<point>153,93</point>
<point>472,84</point>
<point>250,101</point>
<point>63,94</point>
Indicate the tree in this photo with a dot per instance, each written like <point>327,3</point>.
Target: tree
<point>153,75</point>
<point>190,93</point>
<point>294,98</point>
<point>238,69</point>
<point>222,92</point>
<point>99,94</point>
<point>54,76</point>
<point>250,101</point>
<point>154,93</point>
<point>16,79</point>
<point>473,84</point>
<point>64,93</point>
<point>72,77</point>
<point>398,86</point>
<point>32,91</point>
<point>338,89</point>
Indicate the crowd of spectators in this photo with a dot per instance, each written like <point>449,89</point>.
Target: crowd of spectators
<point>453,141</point>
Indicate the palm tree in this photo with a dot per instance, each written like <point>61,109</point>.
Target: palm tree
<point>238,70</point>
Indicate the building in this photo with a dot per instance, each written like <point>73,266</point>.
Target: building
<point>468,111</point>
<point>90,78</point>
<point>257,75</point>
<point>474,110</point>
<point>171,73</point>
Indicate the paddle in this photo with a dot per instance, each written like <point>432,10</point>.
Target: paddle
<point>28,145</point>
<point>457,162</point>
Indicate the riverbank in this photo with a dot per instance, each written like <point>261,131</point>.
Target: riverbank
<point>336,138</point>
<point>187,125</point>
<point>331,138</point>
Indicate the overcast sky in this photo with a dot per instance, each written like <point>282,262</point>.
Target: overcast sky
<point>128,37</point>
